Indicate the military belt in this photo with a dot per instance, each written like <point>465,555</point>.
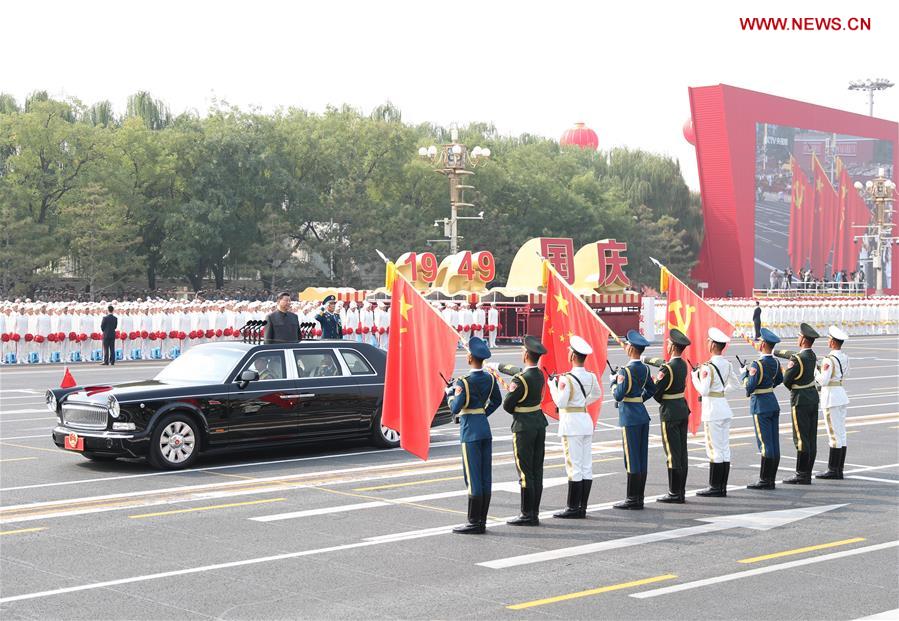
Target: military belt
<point>521,409</point>
<point>572,410</point>
<point>809,385</point>
<point>762,391</point>
<point>473,411</point>
<point>835,383</point>
<point>632,400</point>
<point>720,395</point>
<point>677,395</point>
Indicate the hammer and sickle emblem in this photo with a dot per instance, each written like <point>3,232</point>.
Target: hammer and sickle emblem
<point>681,323</point>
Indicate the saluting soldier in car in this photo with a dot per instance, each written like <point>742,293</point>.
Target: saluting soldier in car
<point>329,320</point>
<point>528,427</point>
<point>799,377</point>
<point>671,381</point>
<point>472,399</point>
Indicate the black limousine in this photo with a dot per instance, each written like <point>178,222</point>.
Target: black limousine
<point>231,395</point>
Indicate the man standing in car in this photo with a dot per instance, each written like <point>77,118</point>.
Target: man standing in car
<point>282,326</point>
<point>108,327</point>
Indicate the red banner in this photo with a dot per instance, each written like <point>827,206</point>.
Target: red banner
<point>800,217</point>
<point>567,315</point>
<point>691,315</point>
<point>421,346</point>
<point>826,202</point>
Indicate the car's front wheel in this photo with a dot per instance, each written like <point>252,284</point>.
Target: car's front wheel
<point>175,443</point>
<point>382,436</point>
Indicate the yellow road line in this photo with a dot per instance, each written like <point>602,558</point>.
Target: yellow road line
<point>21,530</point>
<point>605,589</point>
<point>820,546</point>
<point>231,504</point>
<point>16,459</point>
<point>406,484</point>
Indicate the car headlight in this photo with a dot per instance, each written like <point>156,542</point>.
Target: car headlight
<point>113,407</point>
<point>51,401</point>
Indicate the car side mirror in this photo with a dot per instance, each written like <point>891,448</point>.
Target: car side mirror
<point>246,377</point>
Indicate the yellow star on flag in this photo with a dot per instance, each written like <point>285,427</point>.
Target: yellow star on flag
<point>562,303</point>
<point>404,307</point>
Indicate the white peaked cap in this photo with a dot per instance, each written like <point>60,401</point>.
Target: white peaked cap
<point>580,346</point>
<point>718,336</point>
<point>837,333</point>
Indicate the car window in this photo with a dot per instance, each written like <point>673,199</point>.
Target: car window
<point>201,364</point>
<point>269,365</point>
<point>320,363</point>
<point>356,363</point>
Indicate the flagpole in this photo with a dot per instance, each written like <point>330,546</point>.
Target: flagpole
<point>671,275</point>
<point>397,274</point>
<point>581,300</point>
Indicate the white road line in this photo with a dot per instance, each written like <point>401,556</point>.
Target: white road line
<point>25,390</point>
<point>886,615</point>
<point>28,411</point>
<point>3,421</point>
<point>857,476</point>
<point>762,570</point>
<point>43,435</point>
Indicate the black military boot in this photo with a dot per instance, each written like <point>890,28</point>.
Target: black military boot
<point>634,500</point>
<point>833,465</point>
<point>842,460</point>
<point>573,509</point>
<point>485,507</point>
<point>764,481</point>
<point>803,474</point>
<point>714,490</point>
<point>474,526</point>
<point>725,475</point>
<point>586,484</point>
<point>674,494</point>
<point>524,518</point>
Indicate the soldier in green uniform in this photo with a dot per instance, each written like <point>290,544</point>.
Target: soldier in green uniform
<point>799,377</point>
<point>528,428</point>
<point>670,382</point>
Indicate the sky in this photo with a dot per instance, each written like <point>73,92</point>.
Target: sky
<point>528,67</point>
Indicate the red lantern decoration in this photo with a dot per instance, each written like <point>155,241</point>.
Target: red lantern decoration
<point>689,132</point>
<point>580,136</point>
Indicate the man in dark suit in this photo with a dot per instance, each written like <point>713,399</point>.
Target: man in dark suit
<point>757,320</point>
<point>108,327</point>
<point>282,326</point>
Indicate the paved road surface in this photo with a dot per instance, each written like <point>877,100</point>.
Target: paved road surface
<point>348,531</point>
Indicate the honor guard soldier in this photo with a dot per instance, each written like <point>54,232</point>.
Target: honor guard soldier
<point>760,378</point>
<point>834,400</point>
<point>670,381</point>
<point>472,399</point>
<point>329,320</point>
<point>799,377</point>
<point>528,428</point>
<point>631,386</point>
<point>711,380</point>
<point>572,392</point>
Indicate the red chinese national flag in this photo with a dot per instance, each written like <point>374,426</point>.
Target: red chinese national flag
<point>800,207</point>
<point>691,315</point>
<point>826,201</point>
<point>567,314</point>
<point>421,346</point>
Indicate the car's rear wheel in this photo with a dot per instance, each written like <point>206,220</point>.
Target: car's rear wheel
<point>175,443</point>
<point>95,457</point>
<point>382,436</point>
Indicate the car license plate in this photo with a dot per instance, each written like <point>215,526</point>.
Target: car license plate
<point>74,442</point>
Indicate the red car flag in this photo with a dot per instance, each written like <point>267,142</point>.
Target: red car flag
<point>67,380</point>
<point>421,346</point>
<point>567,314</point>
<point>691,315</point>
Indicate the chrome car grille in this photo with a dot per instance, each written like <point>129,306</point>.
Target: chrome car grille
<point>84,416</point>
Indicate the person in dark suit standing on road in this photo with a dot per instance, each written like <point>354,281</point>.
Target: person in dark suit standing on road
<point>108,326</point>
<point>757,321</point>
<point>282,326</point>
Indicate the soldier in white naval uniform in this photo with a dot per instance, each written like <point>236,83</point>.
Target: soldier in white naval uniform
<point>711,380</point>
<point>834,367</point>
<point>572,392</point>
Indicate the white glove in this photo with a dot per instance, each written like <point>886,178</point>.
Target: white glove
<point>613,377</point>
<point>449,390</point>
<point>643,358</point>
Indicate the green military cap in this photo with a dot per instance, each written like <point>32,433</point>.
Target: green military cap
<point>808,331</point>
<point>678,338</point>
<point>533,345</point>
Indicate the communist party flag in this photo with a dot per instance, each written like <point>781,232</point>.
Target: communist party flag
<point>843,235</point>
<point>567,315</point>
<point>825,205</point>
<point>421,346</point>
<point>800,207</point>
<point>691,315</point>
